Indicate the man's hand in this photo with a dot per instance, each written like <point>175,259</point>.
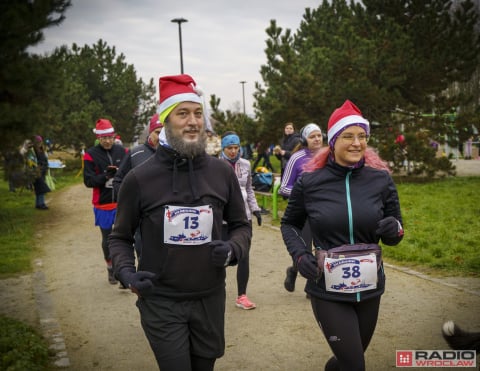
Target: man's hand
<point>111,171</point>
<point>258,215</point>
<point>139,282</point>
<point>222,253</point>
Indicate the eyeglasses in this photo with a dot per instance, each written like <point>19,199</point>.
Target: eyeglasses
<point>104,139</point>
<point>350,138</point>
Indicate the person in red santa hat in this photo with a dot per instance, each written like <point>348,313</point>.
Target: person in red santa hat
<point>137,156</point>
<point>100,165</point>
<point>179,199</point>
<point>348,197</point>
<point>139,153</point>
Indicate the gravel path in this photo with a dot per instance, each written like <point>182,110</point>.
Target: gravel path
<point>94,325</point>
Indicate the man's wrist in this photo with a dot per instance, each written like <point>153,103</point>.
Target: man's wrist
<point>229,257</point>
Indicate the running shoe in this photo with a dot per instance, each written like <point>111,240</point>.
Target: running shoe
<point>243,302</point>
<point>290,279</point>
<point>111,278</point>
<point>332,364</point>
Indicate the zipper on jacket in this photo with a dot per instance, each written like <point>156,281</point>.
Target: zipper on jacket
<point>111,163</point>
<point>350,216</point>
<point>349,208</point>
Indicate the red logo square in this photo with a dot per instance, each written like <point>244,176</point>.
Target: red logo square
<point>404,358</point>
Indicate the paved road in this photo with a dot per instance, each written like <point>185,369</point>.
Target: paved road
<point>467,167</point>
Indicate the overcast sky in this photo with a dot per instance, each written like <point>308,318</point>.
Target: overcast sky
<point>223,40</point>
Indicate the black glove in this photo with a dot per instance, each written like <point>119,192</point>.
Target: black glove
<point>307,266</point>
<point>111,171</point>
<point>389,228</point>
<point>139,282</point>
<point>222,253</point>
<point>258,216</point>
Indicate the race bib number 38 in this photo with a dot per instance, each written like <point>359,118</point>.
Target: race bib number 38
<point>188,225</point>
<point>352,274</point>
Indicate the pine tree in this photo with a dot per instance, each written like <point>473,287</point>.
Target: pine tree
<point>25,80</point>
<point>386,56</point>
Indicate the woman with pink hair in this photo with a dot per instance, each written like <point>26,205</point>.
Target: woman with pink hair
<point>348,198</point>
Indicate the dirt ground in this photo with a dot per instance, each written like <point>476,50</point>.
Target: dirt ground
<point>93,325</point>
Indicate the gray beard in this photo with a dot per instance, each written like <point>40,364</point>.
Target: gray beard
<point>185,148</point>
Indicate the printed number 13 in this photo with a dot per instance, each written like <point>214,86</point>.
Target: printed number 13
<point>191,222</point>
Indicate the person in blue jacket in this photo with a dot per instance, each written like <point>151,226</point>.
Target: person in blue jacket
<point>348,197</point>
<point>231,154</point>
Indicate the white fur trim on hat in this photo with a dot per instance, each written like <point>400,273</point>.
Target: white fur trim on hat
<point>105,131</point>
<point>347,121</point>
<point>178,98</point>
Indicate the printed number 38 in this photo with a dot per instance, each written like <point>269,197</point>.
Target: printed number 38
<point>351,272</point>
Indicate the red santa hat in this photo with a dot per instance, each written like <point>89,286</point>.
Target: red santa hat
<point>154,123</point>
<point>104,128</point>
<point>346,115</point>
<point>174,90</point>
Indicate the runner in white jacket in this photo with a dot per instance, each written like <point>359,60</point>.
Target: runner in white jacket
<point>231,154</point>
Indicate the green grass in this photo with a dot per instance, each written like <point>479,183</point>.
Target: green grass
<point>18,220</point>
<point>442,226</point>
<point>22,348</point>
<point>16,230</point>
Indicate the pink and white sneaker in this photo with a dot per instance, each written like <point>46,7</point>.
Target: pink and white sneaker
<point>243,302</point>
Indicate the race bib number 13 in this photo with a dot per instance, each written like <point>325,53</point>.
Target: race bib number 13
<point>352,274</point>
<point>188,225</point>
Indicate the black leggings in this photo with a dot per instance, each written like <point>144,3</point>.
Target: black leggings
<point>106,250</point>
<point>243,266</point>
<point>243,273</point>
<point>348,328</point>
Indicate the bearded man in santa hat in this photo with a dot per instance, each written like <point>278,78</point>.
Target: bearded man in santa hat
<point>179,198</point>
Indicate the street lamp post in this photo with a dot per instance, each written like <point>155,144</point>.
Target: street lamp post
<point>180,21</point>
<point>243,95</point>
